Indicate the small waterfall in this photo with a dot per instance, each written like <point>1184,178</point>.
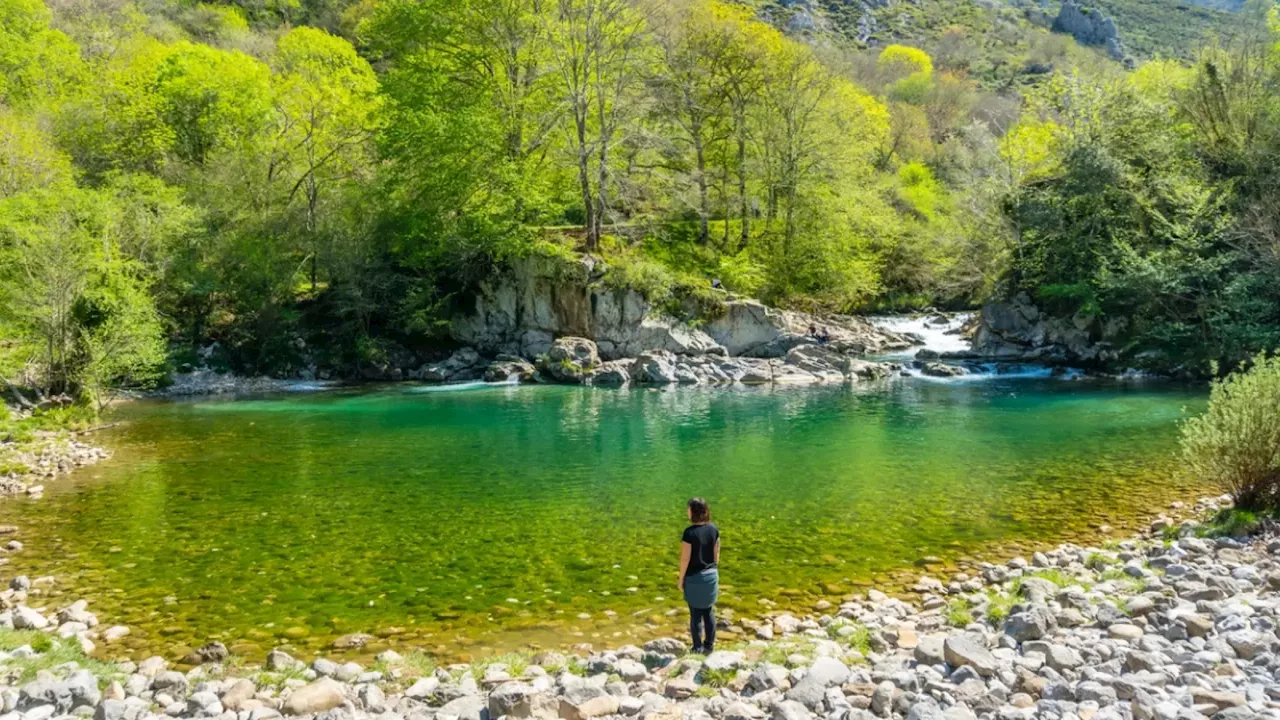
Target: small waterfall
<point>942,333</point>
<point>936,332</point>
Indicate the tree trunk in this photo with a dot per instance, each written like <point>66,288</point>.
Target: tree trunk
<point>584,179</point>
<point>745,233</point>
<point>704,230</point>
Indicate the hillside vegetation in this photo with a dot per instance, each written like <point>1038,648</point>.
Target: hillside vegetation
<point>315,185</point>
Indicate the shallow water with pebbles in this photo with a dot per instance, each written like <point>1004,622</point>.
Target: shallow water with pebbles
<point>480,519</point>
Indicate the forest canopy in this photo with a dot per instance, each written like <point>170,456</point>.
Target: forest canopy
<point>313,184</point>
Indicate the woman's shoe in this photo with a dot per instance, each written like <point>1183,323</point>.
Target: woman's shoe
<point>696,650</point>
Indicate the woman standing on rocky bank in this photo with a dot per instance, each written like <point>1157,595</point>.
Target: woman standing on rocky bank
<point>699,573</point>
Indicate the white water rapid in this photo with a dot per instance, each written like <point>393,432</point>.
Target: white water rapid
<point>941,333</point>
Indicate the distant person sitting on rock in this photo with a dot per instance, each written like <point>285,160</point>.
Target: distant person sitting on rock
<point>699,574</point>
<point>813,332</point>
<point>715,284</point>
<point>825,337</point>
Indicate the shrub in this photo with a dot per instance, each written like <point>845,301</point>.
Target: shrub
<point>1231,522</point>
<point>1236,442</point>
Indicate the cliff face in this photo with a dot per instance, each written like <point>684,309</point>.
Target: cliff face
<point>524,309</point>
<point>1090,26</point>
<point>1017,330</point>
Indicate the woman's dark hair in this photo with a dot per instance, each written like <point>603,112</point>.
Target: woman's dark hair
<point>699,510</point>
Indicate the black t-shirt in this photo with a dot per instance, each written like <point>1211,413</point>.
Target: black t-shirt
<point>703,539</point>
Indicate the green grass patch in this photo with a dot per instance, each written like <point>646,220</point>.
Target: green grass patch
<point>859,639</point>
<point>776,653</point>
<point>1232,522</point>
<point>276,680</point>
<point>515,662</point>
<point>1098,561</point>
<point>420,663</point>
<point>958,613</point>
<point>717,678</point>
<point>14,639</point>
<point>999,605</point>
<point>53,652</point>
<point>1053,575</point>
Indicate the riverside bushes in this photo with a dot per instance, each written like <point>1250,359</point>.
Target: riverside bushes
<point>1236,442</point>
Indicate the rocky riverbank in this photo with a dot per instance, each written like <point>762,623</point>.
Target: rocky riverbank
<point>577,361</point>
<point>28,459</point>
<point>1166,626</point>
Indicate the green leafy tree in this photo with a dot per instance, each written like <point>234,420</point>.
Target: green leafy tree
<point>326,102</point>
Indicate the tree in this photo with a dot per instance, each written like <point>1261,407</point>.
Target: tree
<point>596,46</point>
<point>36,62</point>
<point>81,311</point>
<point>712,58</point>
<point>212,100</point>
<point>28,157</point>
<point>325,99</point>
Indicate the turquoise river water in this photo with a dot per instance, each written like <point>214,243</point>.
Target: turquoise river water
<point>468,520</point>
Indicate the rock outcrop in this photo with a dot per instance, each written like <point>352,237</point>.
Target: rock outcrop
<point>750,328</point>
<point>538,299</point>
<point>1090,26</point>
<point>465,364</point>
<point>573,360</point>
<point>1016,330</point>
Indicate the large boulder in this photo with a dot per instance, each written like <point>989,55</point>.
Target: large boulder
<point>657,367</point>
<point>569,360</point>
<point>1031,624</point>
<point>521,700</point>
<point>323,694</point>
<point>613,373</point>
<point>819,361</point>
<point>509,368</point>
<point>938,369</point>
<point>824,673</point>
<point>465,364</point>
<point>961,650</point>
<point>467,707</point>
<point>80,690</point>
<point>748,327</point>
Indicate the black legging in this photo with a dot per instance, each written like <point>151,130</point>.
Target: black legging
<point>697,618</point>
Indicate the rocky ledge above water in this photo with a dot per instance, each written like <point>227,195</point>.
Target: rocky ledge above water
<point>1144,629</point>
<point>553,320</point>
<point>524,309</point>
<point>1017,331</point>
<point>577,361</point>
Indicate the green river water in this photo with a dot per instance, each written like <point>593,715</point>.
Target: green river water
<point>468,520</point>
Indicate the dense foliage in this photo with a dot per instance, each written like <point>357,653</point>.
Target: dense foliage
<point>314,183</point>
<point>1236,442</point>
<point>1155,211</point>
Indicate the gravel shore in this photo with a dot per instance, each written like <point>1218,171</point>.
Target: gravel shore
<point>25,466</point>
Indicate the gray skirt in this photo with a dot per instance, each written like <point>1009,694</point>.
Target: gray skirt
<point>702,589</point>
